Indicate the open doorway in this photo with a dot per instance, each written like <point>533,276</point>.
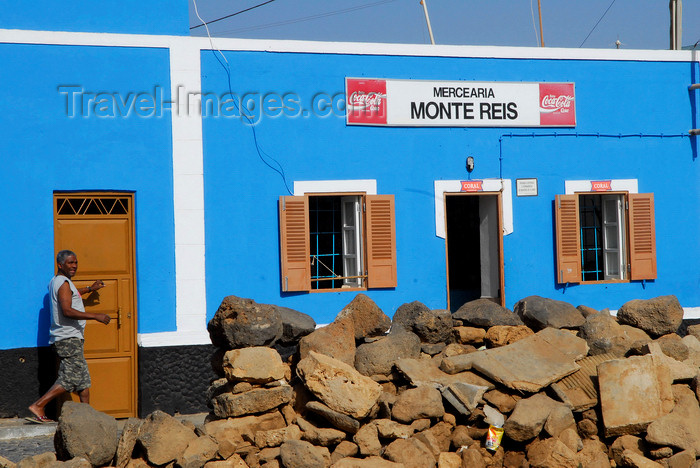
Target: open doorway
<point>474,244</point>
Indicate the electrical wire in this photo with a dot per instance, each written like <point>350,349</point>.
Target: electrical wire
<point>596,25</point>
<point>229,16</point>
<point>305,18</point>
<point>227,69</point>
<point>534,26</point>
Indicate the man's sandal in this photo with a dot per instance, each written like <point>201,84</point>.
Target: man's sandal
<point>39,419</point>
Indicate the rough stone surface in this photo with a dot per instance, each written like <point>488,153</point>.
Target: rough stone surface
<point>678,429</point>
<point>164,438</point>
<point>127,442</point>
<point>425,372</point>
<point>257,400</point>
<point>418,403</point>
<point>684,459</point>
<point>198,452</point>
<point>300,454</point>
<point>560,418</point>
<point>411,453</point>
<point>626,442</point>
<point>672,346</point>
<point>406,315</point>
<point>241,322</point>
<point>449,460</point>
<point>378,357</point>
<point>319,436</point>
<point>434,326</point>
<point>295,324</point>
<point>529,416</point>
<point>485,313</point>
<point>631,394</point>
<point>256,365</point>
<point>343,450</point>
<point>389,429</point>
<point>657,316</point>
<point>338,385</point>
<point>502,335</point>
<point>367,440</point>
<point>604,335</point>
<point>471,458</point>
<point>504,401</point>
<point>470,335</point>
<point>367,318</point>
<point>336,340</point>
<point>369,462</point>
<point>42,460</point>
<point>529,364</point>
<point>571,439</point>
<point>339,420</point>
<point>464,397</point>
<point>275,437</point>
<point>551,453</point>
<point>540,312</point>
<point>635,460</point>
<point>593,455</point>
<point>85,432</point>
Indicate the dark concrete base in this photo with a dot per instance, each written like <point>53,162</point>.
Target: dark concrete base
<point>174,379</point>
<point>26,374</point>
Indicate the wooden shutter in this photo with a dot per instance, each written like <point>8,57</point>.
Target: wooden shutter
<point>568,239</point>
<point>381,242</point>
<point>294,243</point>
<point>642,236</point>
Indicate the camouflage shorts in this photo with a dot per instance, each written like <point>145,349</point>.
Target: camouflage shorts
<point>73,372</point>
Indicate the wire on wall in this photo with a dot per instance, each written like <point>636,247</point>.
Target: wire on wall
<point>227,68</point>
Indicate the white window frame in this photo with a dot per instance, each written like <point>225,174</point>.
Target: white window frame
<point>354,204</point>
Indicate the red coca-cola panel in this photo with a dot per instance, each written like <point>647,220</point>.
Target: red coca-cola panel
<point>472,185</point>
<point>557,104</point>
<point>366,101</point>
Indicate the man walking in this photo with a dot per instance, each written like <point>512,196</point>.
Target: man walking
<point>66,335</point>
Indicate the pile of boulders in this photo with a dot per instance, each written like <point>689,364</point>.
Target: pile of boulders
<point>570,386</point>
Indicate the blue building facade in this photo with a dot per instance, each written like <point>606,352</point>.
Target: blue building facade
<point>218,147</point>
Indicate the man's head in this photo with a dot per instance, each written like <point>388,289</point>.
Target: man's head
<point>67,263</point>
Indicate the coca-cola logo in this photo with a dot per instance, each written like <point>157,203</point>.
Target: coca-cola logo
<point>359,100</point>
<point>553,103</point>
<point>472,186</point>
<point>601,185</point>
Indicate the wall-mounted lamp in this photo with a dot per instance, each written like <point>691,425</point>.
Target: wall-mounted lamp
<point>470,164</point>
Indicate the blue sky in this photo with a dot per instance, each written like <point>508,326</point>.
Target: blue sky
<point>638,24</point>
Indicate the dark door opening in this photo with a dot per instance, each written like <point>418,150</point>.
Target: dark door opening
<point>474,246</point>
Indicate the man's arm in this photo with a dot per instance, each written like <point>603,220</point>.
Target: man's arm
<point>66,302</point>
<point>99,284</point>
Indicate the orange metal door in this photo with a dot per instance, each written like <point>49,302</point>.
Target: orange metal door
<point>99,228</point>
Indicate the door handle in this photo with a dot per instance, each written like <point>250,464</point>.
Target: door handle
<point>119,317</point>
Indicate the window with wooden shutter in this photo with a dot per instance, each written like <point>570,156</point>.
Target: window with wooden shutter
<point>381,242</point>
<point>568,239</point>
<point>294,239</point>
<point>642,236</point>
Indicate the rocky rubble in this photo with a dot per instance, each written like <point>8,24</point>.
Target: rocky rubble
<point>575,387</point>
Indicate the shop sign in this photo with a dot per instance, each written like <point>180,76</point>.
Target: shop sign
<point>601,185</point>
<point>423,103</point>
<point>472,186</point>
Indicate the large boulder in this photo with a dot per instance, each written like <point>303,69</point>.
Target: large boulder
<point>295,324</point>
<point>241,322</point>
<point>551,453</point>
<point>604,335</point>
<point>301,454</point>
<point>85,432</point>
<point>485,313</point>
<point>127,442</point>
<point>529,417</point>
<point>418,403</point>
<point>540,312</point>
<point>432,326</point>
<point>678,429</point>
<point>257,365</point>
<point>256,400</point>
<point>339,386</point>
<point>412,453</point>
<point>378,357</point>
<point>367,318</point>
<point>657,316</point>
<point>164,438</point>
<point>336,340</point>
